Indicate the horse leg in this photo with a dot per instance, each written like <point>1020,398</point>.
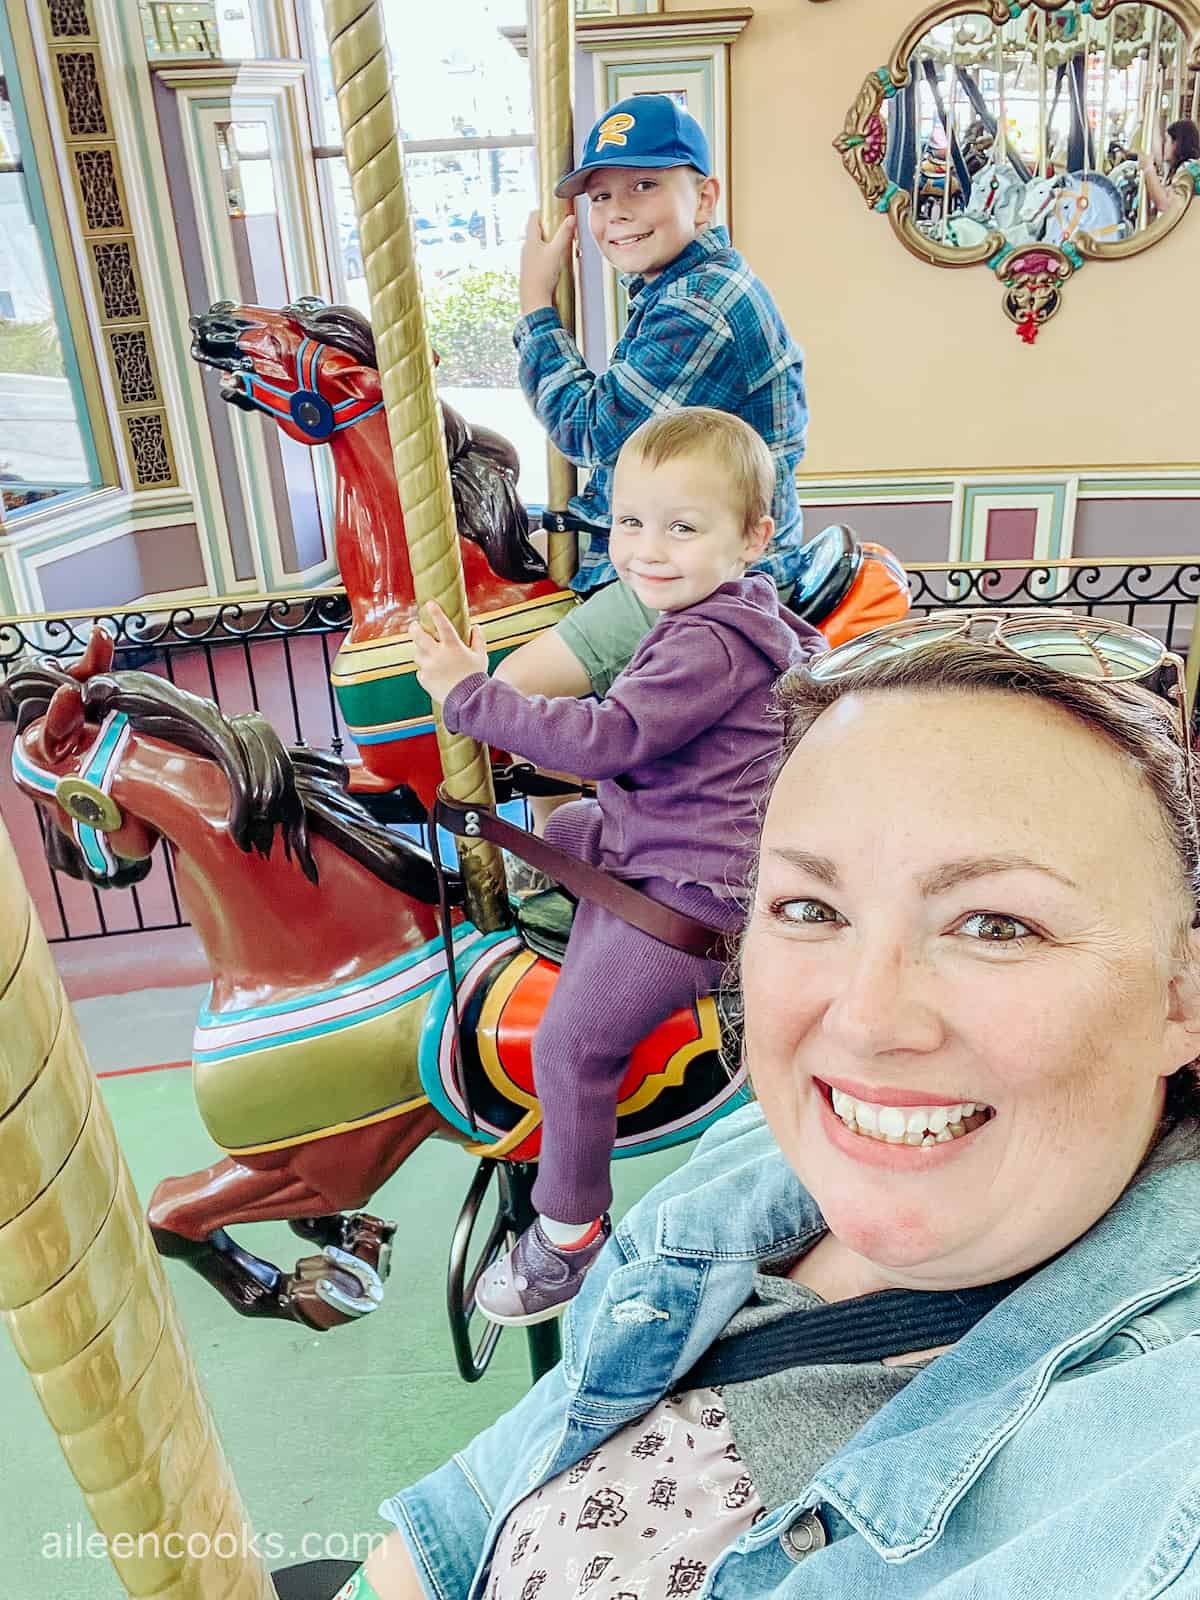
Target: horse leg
<point>182,1214</point>
<point>369,1238</point>
<point>373,1154</point>
<point>306,1185</point>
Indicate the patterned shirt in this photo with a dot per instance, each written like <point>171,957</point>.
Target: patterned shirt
<point>641,1518</point>
<point>705,332</point>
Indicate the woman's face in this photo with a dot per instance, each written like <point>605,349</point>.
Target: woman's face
<point>963,899</point>
<point>1168,148</point>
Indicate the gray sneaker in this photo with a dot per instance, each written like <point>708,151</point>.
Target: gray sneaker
<point>535,1280</point>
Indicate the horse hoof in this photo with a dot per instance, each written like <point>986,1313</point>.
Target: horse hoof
<point>355,1290</point>
<point>369,1239</point>
<point>331,1289</point>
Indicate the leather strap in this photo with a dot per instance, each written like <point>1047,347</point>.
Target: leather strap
<point>892,1323</point>
<point>522,777</point>
<point>444,895</point>
<point>584,881</point>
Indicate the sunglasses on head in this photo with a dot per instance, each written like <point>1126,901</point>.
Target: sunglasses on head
<point>1079,646</point>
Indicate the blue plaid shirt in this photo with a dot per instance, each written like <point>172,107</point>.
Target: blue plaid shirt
<point>705,332</point>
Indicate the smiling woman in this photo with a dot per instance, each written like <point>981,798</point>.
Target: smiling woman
<point>1017,941</point>
<point>971,1018</point>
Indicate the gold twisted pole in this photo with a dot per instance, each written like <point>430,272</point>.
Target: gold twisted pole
<point>84,1297</point>
<point>358,51</point>
<point>552,55</point>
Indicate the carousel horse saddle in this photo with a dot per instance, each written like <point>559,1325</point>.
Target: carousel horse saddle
<point>676,1083</point>
<point>847,586</point>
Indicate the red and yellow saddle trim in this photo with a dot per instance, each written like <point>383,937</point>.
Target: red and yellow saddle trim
<point>503,996</point>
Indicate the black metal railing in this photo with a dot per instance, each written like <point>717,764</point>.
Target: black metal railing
<point>269,654</point>
<point>1159,594</point>
<point>273,654</point>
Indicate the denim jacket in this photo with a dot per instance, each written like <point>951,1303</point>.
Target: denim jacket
<point>1052,1454</point>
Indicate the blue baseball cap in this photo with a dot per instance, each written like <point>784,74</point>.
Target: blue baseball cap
<point>647,130</point>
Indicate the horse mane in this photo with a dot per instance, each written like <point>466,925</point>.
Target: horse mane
<point>340,327</point>
<point>271,787</point>
<point>483,465</point>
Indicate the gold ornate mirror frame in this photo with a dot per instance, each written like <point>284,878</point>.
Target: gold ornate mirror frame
<point>1033,275</point>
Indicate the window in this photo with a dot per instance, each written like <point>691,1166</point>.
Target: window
<point>234,30</point>
<point>45,446</point>
<point>462,96</point>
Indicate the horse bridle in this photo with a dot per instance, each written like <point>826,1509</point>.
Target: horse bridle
<point>317,417</point>
<point>86,796</point>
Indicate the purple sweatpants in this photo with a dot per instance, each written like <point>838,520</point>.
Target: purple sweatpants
<point>616,985</point>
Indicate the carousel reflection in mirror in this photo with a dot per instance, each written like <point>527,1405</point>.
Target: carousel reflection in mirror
<point>1032,137</point>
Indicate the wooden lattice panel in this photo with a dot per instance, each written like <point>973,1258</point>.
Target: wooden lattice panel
<point>118,285</point>
<point>77,73</point>
<point>68,19</point>
<point>95,164</point>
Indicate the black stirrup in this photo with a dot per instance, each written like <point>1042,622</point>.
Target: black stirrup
<point>829,566</point>
<point>313,1580</point>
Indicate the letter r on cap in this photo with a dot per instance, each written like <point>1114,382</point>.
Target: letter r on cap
<point>613,129</point>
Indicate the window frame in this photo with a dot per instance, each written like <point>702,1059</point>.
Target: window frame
<point>323,153</point>
<point>62,281</point>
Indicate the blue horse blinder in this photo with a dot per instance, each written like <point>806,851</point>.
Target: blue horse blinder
<point>86,796</point>
<point>316,417</point>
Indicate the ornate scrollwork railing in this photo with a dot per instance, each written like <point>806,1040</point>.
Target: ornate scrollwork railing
<point>63,635</point>
<point>1149,593</point>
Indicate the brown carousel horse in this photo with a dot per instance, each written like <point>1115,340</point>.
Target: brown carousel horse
<point>324,1053</point>
<point>312,369</point>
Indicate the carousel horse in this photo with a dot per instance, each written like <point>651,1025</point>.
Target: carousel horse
<point>1125,177</point>
<point>1084,202</point>
<point>325,1052</point>
<point>993,206</point>
<point>312,369</point>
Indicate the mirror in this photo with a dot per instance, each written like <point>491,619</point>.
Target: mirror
<point>1033,137</point>
<point>1040,122</point>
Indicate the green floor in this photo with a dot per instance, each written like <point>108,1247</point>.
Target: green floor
<point>317,1429</point>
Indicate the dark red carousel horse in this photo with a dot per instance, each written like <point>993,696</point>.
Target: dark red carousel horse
<point>323,1055</point>
<point>312,369</point>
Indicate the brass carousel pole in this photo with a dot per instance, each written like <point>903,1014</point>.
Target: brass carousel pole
<point>84,1297</point>
<point>358,52</point>
<point>552,52</point>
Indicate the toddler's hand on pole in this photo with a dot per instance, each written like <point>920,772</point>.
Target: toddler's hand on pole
<point>443,659</point>
<point>542,262</point>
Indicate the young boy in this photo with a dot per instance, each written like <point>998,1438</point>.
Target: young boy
<point>681,750</point>
<point>702,330</point>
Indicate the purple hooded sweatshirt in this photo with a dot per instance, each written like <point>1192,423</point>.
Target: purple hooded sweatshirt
<point>681,747</point>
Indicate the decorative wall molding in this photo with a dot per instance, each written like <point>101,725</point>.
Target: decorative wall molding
<point>1015,516</point>
<point>207,98</point>
<point>87,136</point>
<point>1012,521</point>
<point>42,541</point>
<point>909,489</point>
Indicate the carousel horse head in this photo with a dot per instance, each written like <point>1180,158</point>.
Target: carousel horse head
<point>313,370</point>
<point>309,367</point>
<point>995,197</point>
<point>75,757</point>
<point>66,763</point>
<point>1085,202</point>
<point>1036,203</point>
